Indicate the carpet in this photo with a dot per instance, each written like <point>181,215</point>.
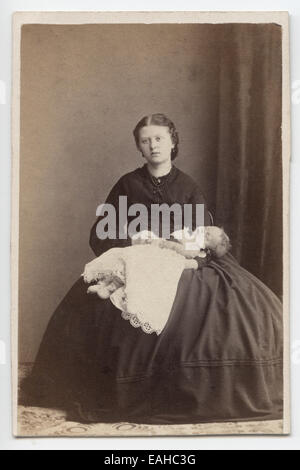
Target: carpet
<point>43,422</point>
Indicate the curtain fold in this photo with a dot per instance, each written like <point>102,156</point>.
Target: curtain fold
<point>249,164</point>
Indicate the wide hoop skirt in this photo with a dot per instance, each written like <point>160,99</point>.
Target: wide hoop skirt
<point>219,357</point>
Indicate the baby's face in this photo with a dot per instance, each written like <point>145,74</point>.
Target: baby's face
<point>156,144</point>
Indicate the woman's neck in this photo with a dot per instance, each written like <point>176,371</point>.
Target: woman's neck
<point>160,170</point>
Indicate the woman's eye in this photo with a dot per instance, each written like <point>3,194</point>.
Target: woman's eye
<point>157,139</point>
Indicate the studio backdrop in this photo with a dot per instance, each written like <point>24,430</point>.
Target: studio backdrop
<point>84,88</point>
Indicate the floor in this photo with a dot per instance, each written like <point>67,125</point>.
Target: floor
<point>43,422</point>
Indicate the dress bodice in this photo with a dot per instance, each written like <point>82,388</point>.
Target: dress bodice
<point>140,187</point>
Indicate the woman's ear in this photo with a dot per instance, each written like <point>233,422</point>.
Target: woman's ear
<point>137,146</point>
<point>141,152</point>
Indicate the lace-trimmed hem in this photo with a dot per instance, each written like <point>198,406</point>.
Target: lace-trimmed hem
<point>136,323</point>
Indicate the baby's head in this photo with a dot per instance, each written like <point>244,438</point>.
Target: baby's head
<point>158,119</point>
<point>217,240</point>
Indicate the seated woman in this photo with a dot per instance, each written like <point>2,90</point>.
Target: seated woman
<point>219,357</point>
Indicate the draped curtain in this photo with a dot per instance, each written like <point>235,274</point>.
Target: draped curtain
<point>248,197</point>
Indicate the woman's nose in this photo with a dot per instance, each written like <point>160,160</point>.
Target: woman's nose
<point>153,143</point>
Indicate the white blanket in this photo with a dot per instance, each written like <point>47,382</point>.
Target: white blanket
<point>150,276</point>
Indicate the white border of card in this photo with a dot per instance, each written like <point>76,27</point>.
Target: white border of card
<point>21,18</point>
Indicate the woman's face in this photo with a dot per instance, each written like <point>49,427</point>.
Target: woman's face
<point>156,144</point>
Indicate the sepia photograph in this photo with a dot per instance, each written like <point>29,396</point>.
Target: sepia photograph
<point>150,224</point>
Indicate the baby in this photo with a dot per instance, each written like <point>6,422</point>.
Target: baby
<point>189,245</point>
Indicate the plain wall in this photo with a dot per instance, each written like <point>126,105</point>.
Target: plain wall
<point>83,89</point>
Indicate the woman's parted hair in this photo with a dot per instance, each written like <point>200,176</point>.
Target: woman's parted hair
<point>158,119</point>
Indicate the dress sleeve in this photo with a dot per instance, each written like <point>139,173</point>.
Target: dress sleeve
<point>100,245</point>
<point>198,198</point>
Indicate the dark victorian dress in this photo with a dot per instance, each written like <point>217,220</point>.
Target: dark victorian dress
<point>219,358</point>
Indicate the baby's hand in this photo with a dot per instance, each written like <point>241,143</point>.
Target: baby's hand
<point>100,290</point>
